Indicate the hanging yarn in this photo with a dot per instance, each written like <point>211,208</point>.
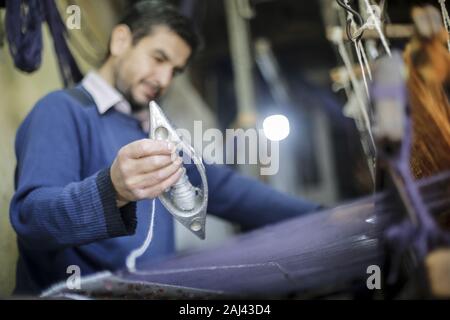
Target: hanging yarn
<point>23,22</point>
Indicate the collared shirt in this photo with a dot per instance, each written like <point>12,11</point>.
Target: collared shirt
<point>106,97</point>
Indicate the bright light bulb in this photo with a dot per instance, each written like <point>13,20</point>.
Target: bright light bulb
<point>276,127</point>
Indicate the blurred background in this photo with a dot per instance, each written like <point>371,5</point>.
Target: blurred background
<point>259,58</point>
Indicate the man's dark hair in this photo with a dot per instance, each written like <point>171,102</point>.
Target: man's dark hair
<point>144,15</point>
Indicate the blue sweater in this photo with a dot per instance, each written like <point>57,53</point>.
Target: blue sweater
<point>64,210</point>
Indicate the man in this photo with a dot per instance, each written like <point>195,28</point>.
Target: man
<point>86,173</point>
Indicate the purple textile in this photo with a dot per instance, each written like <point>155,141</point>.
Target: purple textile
<point>23,21</point>
<point>307,256</point>
<point>68,67</point>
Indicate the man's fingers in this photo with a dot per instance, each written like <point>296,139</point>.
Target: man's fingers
<point>156,177</point>
<point>171,180</point>
<point>144,164</point>
<point>157,190</point>
<point>152,163</point>
<point>147,147</point>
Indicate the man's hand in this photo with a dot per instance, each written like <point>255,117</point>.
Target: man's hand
<point>144,169</point>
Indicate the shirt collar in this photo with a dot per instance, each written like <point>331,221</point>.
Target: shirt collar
<point>105,96</point>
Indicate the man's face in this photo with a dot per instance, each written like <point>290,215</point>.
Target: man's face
<point>144,71</point>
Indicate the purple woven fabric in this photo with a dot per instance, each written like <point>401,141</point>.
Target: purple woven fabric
<point>23,21</point>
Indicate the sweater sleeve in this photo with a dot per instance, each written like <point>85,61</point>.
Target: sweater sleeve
<point>53,207</point>
<point>250,202</point>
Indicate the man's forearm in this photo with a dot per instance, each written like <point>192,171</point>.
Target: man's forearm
<point>81,212</point>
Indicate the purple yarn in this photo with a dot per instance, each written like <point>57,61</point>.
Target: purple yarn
<point>23,21</point>
<point>23,30</point>
<point>67,65</point>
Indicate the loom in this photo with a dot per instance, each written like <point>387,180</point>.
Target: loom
<point>319,255</point>
<point>325,254</point>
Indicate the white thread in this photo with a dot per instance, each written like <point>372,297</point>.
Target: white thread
<point>366,62</point>
<point>375,21</point>
<point>136,253</point>
<point>359,49</point>
<point>356,87</point>
<point>446,19</point>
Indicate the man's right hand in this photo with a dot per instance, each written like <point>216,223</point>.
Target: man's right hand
<point>144,169</point>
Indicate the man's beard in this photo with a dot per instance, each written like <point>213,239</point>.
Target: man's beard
<point>126,93</point>
<point>135,106</point>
